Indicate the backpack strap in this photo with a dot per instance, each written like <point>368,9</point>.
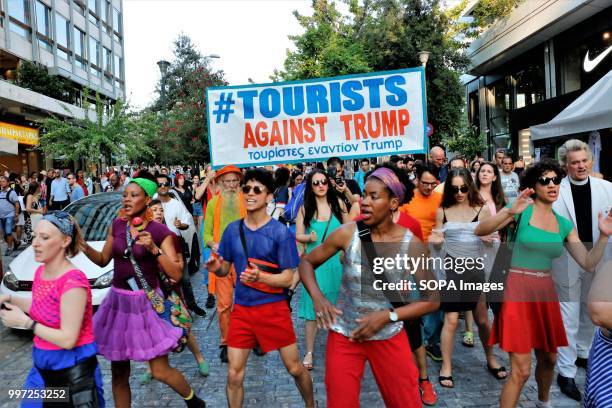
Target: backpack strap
<point>365,236</point>
<point>243,240</point>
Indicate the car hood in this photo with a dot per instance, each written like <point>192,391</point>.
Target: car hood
<point>24,266</point>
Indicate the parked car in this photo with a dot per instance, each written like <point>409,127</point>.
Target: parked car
<point>94,213</point>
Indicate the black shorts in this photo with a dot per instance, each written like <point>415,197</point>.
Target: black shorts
<point>413,330</point>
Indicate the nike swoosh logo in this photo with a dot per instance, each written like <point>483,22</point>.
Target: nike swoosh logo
<point>590,65</point>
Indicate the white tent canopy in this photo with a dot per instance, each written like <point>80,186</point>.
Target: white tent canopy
<point>591,111</point>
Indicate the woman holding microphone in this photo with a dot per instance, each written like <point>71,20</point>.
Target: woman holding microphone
<point>126,325</point>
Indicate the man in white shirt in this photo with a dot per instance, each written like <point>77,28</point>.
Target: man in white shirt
<point>509,179</point>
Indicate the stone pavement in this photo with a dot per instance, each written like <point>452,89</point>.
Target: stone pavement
<point>267,384</point>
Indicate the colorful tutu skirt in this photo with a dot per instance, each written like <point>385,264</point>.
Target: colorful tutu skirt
<point>59,360</point>
<point>127,328</point>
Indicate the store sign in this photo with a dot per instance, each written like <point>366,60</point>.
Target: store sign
<point>21,134</point>
<point>590,64</point>
<point>366,115</point>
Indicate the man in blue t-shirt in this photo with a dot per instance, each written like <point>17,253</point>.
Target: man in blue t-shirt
<point>260,315</point>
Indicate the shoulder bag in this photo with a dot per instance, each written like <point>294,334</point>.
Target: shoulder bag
<point>501,266</point>
<point>170,307</point>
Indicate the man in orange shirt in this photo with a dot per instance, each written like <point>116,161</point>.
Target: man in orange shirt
<point>423,207</point>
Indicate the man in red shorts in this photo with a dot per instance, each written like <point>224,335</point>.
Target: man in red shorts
<point>261,313</point>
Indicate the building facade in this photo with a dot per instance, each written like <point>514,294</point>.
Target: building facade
<point>531,65</point>
<point>79,40</point>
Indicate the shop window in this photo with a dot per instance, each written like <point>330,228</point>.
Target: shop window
<point>474,110</point>
<point>570,70</point>
<point>530,86</point>
<point>499,105</point>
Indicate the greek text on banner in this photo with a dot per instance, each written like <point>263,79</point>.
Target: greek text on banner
<point>366,115</point>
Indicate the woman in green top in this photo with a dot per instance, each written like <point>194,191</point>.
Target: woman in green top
<point>321,213</point>
<point>530,317</point>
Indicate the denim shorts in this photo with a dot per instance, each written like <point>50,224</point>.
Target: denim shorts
<point>7,225</point>
<point>197,209</point>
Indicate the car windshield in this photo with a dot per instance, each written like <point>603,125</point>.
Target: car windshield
<point>95,214</point>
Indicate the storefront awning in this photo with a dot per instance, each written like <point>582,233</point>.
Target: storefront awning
<point>591,111</point>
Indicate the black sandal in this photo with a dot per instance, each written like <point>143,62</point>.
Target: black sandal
<point>449,378</point>
<point>496,371</point>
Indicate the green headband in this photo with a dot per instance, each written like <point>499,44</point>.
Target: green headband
<point>149,186</point>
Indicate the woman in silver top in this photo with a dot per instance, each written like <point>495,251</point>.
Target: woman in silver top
<point>364,325</point>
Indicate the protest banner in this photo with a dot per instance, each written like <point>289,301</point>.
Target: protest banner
<point>366,115</point>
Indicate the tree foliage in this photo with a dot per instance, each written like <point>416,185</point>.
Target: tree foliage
<point>468,142</point>
<point>484,14</point>
<point>36,78</point>
<point>380,35</point>
<point>184,133</point>
<point>115,132</point>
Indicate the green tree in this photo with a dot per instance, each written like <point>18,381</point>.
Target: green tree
<point>380,35</point>
<point>184,133</point>
<point>114,132</point>
<point>36,78</point>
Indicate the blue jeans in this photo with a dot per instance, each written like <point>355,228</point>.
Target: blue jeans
<point>7,225</point>
<point>432,327</point>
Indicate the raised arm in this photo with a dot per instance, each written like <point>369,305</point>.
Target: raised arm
<point>336,241</point>
<point>506,215</point>
<point>588,260</point>
<point>100,258</point>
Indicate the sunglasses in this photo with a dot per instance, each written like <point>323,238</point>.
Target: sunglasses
<point>164,184</point>
<point>256,189</point>
<point>546,180</point>
<point>464,189</point>
<point>321,182</point>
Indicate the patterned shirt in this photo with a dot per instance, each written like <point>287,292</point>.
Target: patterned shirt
<point>46,304</point>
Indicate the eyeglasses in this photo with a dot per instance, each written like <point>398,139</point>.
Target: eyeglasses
<point>464,189</point>
<point>234,181</point>
<point>164,184</point>
<point>546,180</point>
<point>256,189</point>
<point>321,182</point>
<point>433,184</point>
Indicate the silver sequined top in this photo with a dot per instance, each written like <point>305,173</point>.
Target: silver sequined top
<point>357,300</point>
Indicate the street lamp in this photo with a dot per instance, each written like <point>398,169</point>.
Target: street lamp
<point>424,57</point>
<point>212,56</point>
<point>163,68</point>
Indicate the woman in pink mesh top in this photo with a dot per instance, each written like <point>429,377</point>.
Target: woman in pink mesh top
<point>60,315</point>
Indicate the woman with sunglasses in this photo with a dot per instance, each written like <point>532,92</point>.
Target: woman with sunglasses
<point>321,213</point>
<point>60,315</point>
<point>461,210</point>
<point>530,317</point>
<point>126,326</point>
<point>488,183</point>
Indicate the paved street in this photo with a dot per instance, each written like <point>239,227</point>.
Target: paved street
<point>267,384</point>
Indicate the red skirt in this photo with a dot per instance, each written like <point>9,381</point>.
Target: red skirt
<point>530,317</point>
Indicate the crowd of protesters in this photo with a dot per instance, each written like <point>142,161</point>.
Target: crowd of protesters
<point>264,233</point>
